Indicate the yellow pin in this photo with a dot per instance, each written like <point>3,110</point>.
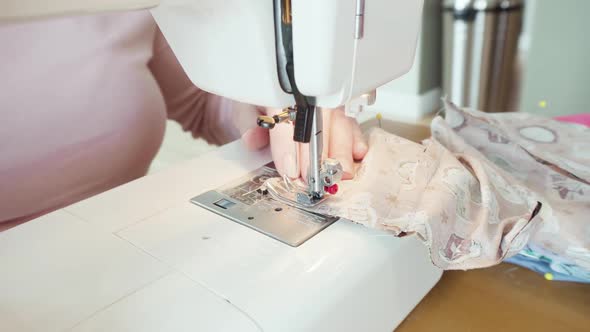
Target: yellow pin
<point>379,117</point>
<point>542,103</point>
<point>548,276</point>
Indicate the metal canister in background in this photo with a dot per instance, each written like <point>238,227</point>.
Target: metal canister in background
<point>480,39</point>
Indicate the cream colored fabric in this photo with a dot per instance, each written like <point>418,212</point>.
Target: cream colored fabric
<point>448,200</point>
<point>549,158</point>
<point>478,191</point>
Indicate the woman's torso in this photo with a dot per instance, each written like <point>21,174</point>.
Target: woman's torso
<point>80,110</point>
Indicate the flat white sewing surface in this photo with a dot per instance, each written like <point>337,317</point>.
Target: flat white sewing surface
<point>141,257</point>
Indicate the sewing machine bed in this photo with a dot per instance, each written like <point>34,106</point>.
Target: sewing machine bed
<point>501,298</point>
<point>142,257</point>
<point>142,253</point>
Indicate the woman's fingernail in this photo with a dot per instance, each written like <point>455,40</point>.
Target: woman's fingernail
<point>363,146</point>
<point>347,167</point>
<point>347,176</point>
<point>247,139</point>
<point>291,167</point>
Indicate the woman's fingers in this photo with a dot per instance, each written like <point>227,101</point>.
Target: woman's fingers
<point>243,117</point>
<point>256,138</point>
<point>326,129</point>
<point>359,146</point>
<point>284,150</point>
<point>341,142</point>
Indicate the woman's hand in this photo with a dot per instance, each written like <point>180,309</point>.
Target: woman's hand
<point>343,140</point>
<point>219,120</point>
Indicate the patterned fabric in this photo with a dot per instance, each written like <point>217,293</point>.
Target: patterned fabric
<point>549,158</point>
<point>448,200</point>
<point>479,190</point>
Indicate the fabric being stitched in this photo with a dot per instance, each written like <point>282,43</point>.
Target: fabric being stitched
<point>448,200</point>
<point>549,158</point>
<point>479,190</point>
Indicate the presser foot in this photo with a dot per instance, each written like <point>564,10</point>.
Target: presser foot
<point>292,192</point>
<point>323,176</point>
<point>300,195</point>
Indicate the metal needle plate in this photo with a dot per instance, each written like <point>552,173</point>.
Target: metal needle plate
<point>244,202</point>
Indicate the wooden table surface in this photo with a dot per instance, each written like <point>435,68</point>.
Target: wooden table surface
<point>501,298</point>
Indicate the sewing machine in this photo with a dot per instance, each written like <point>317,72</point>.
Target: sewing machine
<point>295,55</point>
<point>288,269</point>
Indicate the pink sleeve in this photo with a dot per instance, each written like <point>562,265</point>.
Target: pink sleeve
<point>203,114</point>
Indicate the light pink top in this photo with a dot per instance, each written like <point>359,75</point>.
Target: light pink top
<point>83,105</point>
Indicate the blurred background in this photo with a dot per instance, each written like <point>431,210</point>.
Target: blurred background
<point>491,55</point>
<point>497,56</point>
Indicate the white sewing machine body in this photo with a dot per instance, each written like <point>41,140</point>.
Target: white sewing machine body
<point>141,257</point>
<point>341,49</point>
